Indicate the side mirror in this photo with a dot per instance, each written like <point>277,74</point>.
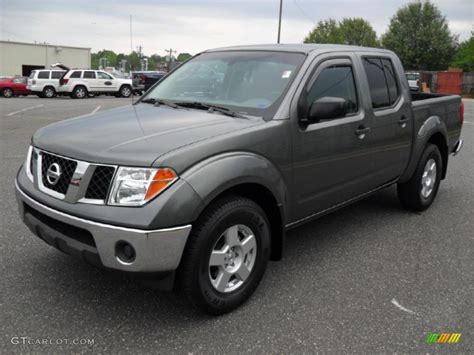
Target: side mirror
<point>327,108</point>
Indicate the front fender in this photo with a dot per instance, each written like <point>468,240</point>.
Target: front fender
<point>211,177</point>
<point>430,127</point>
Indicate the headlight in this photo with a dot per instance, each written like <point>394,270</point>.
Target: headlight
<point>137,186</point>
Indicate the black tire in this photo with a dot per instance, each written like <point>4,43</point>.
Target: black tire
<point>125,91</point>
<point>194,273</point>
<point>48,92</point>
<point>410,193</point>
<point>80,92</point>
<point>7,92</point>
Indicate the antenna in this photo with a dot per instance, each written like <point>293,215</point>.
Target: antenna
<point>131,50</point>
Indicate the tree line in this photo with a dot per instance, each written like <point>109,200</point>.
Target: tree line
<point>133,60</point>
<point>418,33</point>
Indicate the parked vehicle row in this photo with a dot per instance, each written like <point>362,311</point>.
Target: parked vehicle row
<point>76,83</point>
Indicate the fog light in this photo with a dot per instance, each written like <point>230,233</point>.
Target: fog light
<point>125,252</point>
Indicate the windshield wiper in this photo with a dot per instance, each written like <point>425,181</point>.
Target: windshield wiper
<point>210,108</point>
<point>158,102</point>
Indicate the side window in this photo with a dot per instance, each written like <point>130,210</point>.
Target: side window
<point>335,81</point>
<point>103,75</point>
<point>89,75</point>
<point>377,85</point>
<point>393,92</point>
<point>56,74</point>
<point>43,75</point>
<point>76,74</point>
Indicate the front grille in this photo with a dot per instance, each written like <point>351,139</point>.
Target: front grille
<point>99,185</point>
<point>67,171</point>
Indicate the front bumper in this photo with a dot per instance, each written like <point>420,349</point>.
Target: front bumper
<point>155,250</point>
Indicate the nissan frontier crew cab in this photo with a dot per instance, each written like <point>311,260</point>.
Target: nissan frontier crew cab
<point>195,185</point>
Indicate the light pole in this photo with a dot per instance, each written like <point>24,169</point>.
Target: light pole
<point>279,21</point>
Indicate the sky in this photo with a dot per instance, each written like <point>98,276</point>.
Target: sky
<point>192,26</point>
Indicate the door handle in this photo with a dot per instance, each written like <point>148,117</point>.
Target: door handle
<point>403,121</point>
<point>362,131</point>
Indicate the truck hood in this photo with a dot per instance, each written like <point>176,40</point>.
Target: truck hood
<point>134,135</point>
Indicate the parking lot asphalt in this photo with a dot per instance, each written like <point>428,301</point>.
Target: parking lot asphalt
<point>369,278</point>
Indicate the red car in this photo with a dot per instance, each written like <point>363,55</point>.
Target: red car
<point>14,87</point>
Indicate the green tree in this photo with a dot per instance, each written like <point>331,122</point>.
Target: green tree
<point>111,57</point>
<point>326,31</point>
<point>182,57</point>
<point>151,63</point>
<point>419,34</point>
<point>464,57</point>
<point>358,32</point>
<point>94,61</point>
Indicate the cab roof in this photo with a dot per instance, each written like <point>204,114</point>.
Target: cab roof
<point>305,48</point>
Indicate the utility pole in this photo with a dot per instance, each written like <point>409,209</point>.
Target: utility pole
<point>170,51</point>
<point>279,21</point>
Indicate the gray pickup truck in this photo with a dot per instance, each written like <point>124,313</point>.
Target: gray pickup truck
<point>195,185</point>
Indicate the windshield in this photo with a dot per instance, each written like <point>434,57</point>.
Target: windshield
<point>249,82</point>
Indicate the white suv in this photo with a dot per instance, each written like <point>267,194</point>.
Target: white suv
<point>80,83</point>
<point>44,83</point>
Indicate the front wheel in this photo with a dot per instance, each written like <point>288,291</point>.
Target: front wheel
<point>226,255</point>
<point>418,193</point>
<point>125,91</point>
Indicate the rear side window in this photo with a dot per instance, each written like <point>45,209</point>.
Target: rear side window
<point>391,80</point>
<point>335,81</point>
<point>383,84</point>
<point>43,75</point>
<point>32,74</point>
<point>75,74</point>
<point>377,85</point>
<point>56,74</point>
<point>89,75</point>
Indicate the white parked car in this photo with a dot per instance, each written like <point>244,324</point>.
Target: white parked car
<point>80,83</point>
<point>413,80</point>
<point>44,82</point>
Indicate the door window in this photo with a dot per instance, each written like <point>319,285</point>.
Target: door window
<point>76,74</point>
<point>89,75</point>
<point>103,75</point>
<point>382,81</point>
<point>335,81</point>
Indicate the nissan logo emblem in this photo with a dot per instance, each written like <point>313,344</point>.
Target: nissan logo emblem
<point>53,174</point>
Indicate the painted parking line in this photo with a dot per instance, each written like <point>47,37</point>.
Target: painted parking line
<point>467,122</point>
<point>96,109</point>
<point>25,109</point>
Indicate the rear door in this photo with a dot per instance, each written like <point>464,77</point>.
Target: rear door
<point>391,116</point>
<point>332,158</point>
<point>92,82</point>
<point>43,78</point>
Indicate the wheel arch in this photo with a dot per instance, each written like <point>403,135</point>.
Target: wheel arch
<point>432,131</point>
<point>248,175</point>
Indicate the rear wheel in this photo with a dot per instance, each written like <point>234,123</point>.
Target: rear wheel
<point>7,92</point>
<point>226,255</point>
<point>49,92</point>
<point>79,92</point>
<point>418,193</point>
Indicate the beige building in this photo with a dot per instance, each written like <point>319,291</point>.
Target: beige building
<point>18,58</point>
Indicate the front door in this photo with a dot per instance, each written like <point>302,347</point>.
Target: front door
<point>332,158</point>
<point>106,82</point>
